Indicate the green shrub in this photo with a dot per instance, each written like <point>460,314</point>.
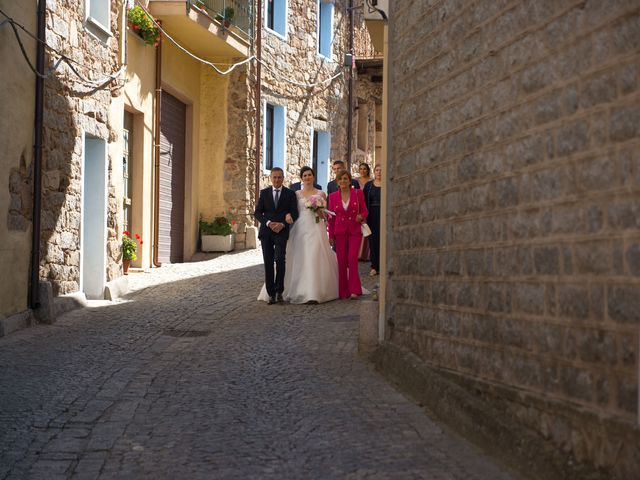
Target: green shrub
<point>219,226</point>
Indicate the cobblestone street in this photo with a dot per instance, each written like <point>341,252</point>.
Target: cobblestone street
<point>190,377</point>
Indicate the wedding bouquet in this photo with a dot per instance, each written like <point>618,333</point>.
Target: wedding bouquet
<point>317,205</point>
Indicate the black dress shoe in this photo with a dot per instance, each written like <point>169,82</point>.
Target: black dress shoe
<point>272,300</point>
<point>279,298</point>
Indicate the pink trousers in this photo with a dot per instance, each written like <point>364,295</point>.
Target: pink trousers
<point>347,250</point>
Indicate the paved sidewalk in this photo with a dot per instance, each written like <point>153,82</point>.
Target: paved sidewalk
<point>189,377</point>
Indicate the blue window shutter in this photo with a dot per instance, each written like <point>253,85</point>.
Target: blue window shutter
<point>325,33</point>
<point>279,139</point>
<point>324,152</point>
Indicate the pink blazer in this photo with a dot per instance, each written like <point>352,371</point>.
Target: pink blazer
<point>344,222</point>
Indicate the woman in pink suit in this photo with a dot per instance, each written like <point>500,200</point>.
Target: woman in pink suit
<point>344,233</point>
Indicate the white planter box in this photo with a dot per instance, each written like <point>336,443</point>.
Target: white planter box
<point>217,243</point>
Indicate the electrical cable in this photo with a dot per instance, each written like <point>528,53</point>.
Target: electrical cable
<point>373,8</point>
<point>302,85</point>
<point>62,57</point>
<point>195,57</point>
<point>233,66</point>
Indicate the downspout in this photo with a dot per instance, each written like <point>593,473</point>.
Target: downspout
<point>257,99</point>
<point>156,153</point>
<point>350,118</point>
<point>34,300</point>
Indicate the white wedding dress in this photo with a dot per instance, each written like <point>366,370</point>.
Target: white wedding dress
<point>312,268</point>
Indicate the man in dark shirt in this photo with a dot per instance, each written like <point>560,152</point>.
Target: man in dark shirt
<point>332,186</point>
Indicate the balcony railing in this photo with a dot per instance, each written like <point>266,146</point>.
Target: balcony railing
<point>241,20</point>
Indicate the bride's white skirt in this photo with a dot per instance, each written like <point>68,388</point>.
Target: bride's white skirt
<point>312,268</point>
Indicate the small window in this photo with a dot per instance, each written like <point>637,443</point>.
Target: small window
<point>274,141</point>
<point>99,14</point>
<point>325,27</point>
<point>276,16</point>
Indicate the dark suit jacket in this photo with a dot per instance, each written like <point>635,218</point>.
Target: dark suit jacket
<point>298,185</point>
<point>333,186</point>
<point>266,211</point>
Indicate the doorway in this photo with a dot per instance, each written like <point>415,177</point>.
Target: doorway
<point>93,231</point>
<point>172,177</point>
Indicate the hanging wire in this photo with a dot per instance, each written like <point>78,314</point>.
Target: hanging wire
<point>109,78</point>
<point>234,65</point>
<point>62,57</point>
<point>195,57</point>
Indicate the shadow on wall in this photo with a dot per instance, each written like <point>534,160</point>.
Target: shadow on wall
<point>61,190</point>
<point>20,186</point>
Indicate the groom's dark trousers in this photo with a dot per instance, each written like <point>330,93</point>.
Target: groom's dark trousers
<point>274,245</point>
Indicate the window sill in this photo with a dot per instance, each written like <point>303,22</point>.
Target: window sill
<point>324,57</point>
<point>99,26</point>
<point>277,34</point>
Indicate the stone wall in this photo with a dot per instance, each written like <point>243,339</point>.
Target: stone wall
<point>239,163</point>
<point>73,107</point>
<point>295,61</point>
<point>369,94</point>
<point>514,216</point>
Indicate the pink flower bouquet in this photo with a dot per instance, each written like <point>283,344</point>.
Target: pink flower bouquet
<point>317,205</point>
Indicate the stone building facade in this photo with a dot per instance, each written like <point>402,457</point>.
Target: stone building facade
<point>514,225</point>
<point>78,112</point>
<point>292,63</point>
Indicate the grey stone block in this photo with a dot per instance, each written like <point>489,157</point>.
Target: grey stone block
<point>368,328</point>
<point>15,322</point>
<point>251,240</point>
<point>116,288</point>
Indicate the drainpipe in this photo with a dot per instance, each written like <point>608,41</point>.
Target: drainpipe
<point>350,118</point>
<point>257,100</point>
<point>156,153</point>
<point>34,300</point>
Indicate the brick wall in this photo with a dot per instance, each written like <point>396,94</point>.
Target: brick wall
<point>514,238</point>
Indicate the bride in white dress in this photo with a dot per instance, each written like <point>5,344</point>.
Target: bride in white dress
<point>311,268</point>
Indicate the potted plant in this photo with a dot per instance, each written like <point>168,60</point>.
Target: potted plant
<point>217,235</point>
<point>226,17</point>
<point>129,249</point>
<point>140,22</point>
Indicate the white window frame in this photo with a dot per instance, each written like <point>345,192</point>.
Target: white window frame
<point>284,17</point>
<point>101,17</point>
<point>279,137</point>
<point>324,155</point>
<point>329,4</point>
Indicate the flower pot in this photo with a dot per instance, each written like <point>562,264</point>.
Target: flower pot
<point>125,266</point>
<point>217,243</point>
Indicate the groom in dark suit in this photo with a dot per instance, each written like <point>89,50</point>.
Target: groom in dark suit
<point>277,209</point>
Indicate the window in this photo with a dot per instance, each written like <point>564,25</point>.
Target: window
<point>274,141</point>
<point>276,16</point>
<point>320,151</point>
<point>314,152</point>
<point>99,14</point>
<point>325,27</point>
<point>268,138</point>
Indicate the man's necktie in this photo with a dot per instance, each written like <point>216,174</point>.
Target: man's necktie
<point>277,198</point>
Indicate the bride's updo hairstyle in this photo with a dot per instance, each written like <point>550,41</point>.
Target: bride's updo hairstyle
<point>307,168</point>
